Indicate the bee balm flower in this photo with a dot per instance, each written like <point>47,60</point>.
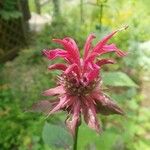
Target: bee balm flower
<point>79,85</point>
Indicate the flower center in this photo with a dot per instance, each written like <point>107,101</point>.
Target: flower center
<point>79,87</point>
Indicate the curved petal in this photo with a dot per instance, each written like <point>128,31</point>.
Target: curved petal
<point>74,45</point>
<point>74,68</point>
<point>43,106</point>
<point>63,102</point>
<point>93,74</point>
<point>52,54</point>
<point>105,61</point>
<point>91,57</point>
<point>93,71</point>
<point>71,48</point>
<point>100,44</point>
<point>88,61</point>
<point>58,67</point>
<point>54,91</point>
<point>74,120</point>
<point>89,113</point>
<point>87,45</point>
<point>102,48</point>
<point>112,48</point>
<point>106,106</point>
<point>103,42</point>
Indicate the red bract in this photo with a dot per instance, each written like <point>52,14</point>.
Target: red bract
<point>79,85</point>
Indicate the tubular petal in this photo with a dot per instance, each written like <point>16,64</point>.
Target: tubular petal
<point>60,105</point>
<point>87,45</point>
<point>43,106</point>
<point>112,48</point>
<point>103,42</point>
<point>70,48</point>
<point>52,54</point>
<point>73,121</point>
<point>73,68</point>
<point>54,91</point>
<point>92,75</point>
<point>105,61</point>
<point>106,106</point>
<point>90,116</point>
<point>58,67</point>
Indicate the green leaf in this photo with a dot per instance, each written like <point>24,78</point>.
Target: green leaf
<point>56,136</point>
<point>89,139</point>
<point>117,79</point>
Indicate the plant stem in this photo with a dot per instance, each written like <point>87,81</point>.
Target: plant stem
<point>76,138</point>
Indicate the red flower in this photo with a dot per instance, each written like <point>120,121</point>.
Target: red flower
<point>79,86</point>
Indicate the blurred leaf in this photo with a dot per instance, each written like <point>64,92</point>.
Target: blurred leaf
<point>56,136</point>
<point>88,138</point>
<point>117,79</point>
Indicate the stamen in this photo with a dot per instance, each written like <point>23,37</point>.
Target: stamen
<point>75,86</point>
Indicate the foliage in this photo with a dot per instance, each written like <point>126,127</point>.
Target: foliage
<point>28,72</point>
<point>117,79</point>
<point>9,10</point>
<point>61,137</point>
<point>23,80</point>
<point>15,131</point>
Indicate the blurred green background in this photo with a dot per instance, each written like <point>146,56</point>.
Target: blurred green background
<point>27,27</point>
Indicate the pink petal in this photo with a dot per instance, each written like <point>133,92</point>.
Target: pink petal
<point>73,122</point>
<point>102,48</point>
<point>100,45</point>
<point>58,67</point>
<point>112,48</point>
<point>87,45</point>
<point>71,47</point>
<point>52,54</point>
<point>61,104</point>
<point>54,91</point>
<point>90,115</point>
<point>106,106</point>
<point>93,74</point>
<point>105,61</point>
<point>43,106</point>
<point>74,45</point>
<point>74,68</point>
<point>88,61</point>
<point>91,57</point>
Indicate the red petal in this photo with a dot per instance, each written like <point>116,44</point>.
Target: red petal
<point>43,106</point>
<point>93,74</point>
<point>58,67</point>
<point>106,106</point>
<point>52,54</point>
<point>74,45</point>
<point>73,122</point>
<point>90,115</point>
<point>112,48</point>
<point>87,45</point>
<point>88,61</point>
<point>100,45</point>
<point>54,91</point>
<point>102,48</point>
<point>105,61</point>
<point>71,47</point>
<point>73,68</point>
<point>61,104</point>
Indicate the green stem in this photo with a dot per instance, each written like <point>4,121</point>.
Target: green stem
<point>76,138</point>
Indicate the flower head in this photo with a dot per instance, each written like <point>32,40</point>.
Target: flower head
<point>79,85</point>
